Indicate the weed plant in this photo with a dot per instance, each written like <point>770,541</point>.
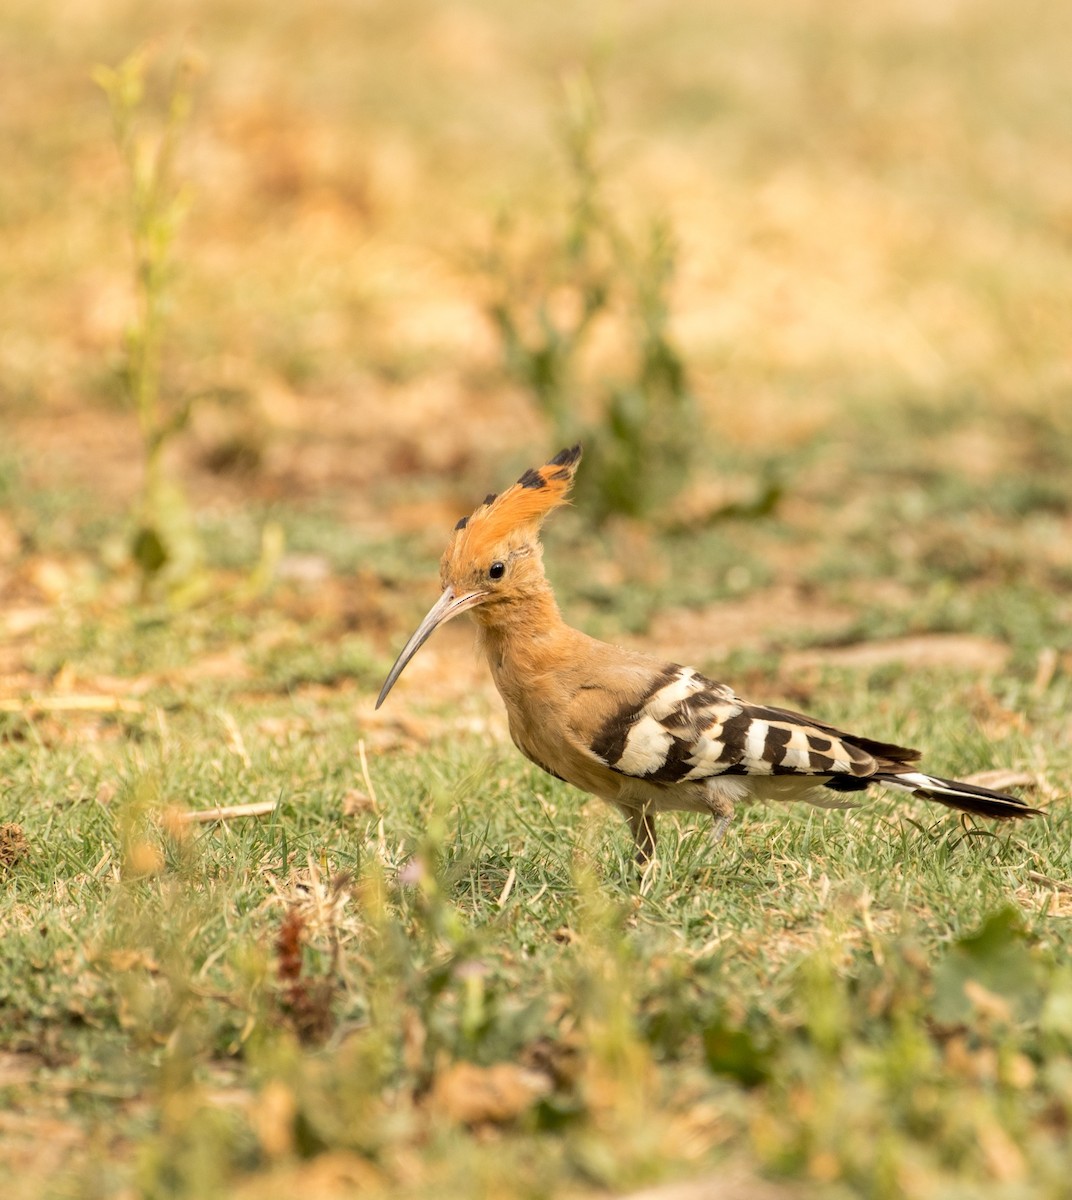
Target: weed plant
<point>164,545</point>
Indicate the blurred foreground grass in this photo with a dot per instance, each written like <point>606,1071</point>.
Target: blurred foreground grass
<point>441,978</point>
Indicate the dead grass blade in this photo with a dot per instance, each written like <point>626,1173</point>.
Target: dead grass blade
<point>1001,779</point>
<point>228,812</point>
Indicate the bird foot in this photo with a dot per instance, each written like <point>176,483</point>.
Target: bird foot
<point>718,829</point>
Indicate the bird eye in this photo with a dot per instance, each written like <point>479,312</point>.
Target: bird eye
<point>497,570</point>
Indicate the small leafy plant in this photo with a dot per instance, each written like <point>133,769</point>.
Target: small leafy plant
<point>164,544</point>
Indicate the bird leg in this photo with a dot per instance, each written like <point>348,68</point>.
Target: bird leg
<point>642,825</point>
<point>718,829</point>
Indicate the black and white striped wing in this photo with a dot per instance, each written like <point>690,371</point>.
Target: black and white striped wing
<point>686,728</point>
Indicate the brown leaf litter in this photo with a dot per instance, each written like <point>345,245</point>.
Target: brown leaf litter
<point>474,1095</point>
<point>14,846</point>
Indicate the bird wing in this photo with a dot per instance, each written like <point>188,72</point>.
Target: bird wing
<point>684,727</point>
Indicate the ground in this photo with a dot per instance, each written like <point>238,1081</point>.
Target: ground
<point>426,967</point>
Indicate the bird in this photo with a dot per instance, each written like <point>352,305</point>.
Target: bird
<point>645,735</point>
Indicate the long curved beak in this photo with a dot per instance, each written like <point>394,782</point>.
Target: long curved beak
<point>447,606</point>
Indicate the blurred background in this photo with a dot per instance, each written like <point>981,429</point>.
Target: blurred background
<point>796,272</point>
<point>285,290</point>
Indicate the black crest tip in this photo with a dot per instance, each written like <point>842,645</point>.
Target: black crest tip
<point>566,458</point>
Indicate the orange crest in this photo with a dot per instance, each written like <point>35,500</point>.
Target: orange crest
<point>524,504</point>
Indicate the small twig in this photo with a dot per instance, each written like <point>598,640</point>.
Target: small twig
<point>1001,779</point>
<point>508,887</point>
<point>260,808</point>
<point>1056,884</point>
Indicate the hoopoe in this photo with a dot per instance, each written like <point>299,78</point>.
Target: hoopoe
<point>645,735</point>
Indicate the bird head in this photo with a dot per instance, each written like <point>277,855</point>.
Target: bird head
<point>494,558</point>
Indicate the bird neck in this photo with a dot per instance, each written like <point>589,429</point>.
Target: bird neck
<point>516,627</point>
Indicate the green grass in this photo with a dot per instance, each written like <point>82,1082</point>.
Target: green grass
<point>793,998</point>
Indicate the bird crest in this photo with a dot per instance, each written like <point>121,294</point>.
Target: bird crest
<point>521,508</point>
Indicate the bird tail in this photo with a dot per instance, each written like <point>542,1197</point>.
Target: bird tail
<point>968,797</point>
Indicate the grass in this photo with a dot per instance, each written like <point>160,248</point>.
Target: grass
<point>451,975</point>
<point>440,976</point>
